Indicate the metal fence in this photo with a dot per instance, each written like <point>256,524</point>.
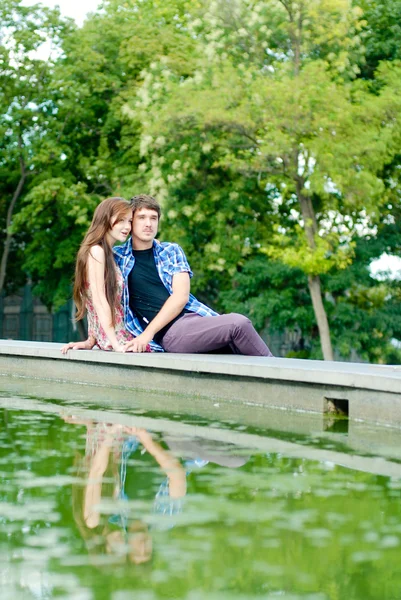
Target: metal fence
<point>24,317</point>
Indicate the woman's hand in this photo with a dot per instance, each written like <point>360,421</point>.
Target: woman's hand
<point>86,345</point>
<point>118,347</point>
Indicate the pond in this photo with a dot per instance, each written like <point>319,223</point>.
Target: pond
<point>123,504</point>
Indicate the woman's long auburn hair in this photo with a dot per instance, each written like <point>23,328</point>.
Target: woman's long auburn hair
<point>105,216</point>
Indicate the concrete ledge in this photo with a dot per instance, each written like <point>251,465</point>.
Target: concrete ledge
<point>384,378</point>
<point>369,392</point>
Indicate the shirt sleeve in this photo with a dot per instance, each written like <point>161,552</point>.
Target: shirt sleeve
<point>179,261</point>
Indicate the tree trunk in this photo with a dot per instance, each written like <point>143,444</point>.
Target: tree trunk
<point>296,15</point>
<point>315,289</point>
<point>321,316</point>
<point>295,12</point>
<point>9,237</point>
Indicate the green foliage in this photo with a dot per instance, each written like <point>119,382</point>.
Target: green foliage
<point>381,34</point>
<point>56,216</point>
<point>28,124</point>
<point>272,294</point>
<point>292,249</point>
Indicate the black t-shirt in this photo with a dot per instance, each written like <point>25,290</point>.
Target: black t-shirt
<point>147,293</point>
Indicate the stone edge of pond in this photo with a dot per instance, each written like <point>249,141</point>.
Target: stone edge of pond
<point>386,378</point>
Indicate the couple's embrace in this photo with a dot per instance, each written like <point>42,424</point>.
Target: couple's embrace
<point>137,295</point>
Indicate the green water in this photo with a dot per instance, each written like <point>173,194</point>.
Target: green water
<point>93,509</point>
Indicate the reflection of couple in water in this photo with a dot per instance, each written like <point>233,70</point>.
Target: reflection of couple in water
<point>112,478</point>
<point>105,465</point>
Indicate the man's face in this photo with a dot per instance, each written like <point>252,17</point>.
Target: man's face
<point>144,228</point>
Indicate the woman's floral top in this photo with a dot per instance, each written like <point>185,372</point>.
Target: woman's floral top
<point>94,327</point>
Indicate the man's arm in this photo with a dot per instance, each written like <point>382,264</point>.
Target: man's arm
<point>170,309</point>
<point>167,461</point>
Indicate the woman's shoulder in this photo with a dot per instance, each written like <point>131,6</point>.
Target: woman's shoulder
<point>97,253</point>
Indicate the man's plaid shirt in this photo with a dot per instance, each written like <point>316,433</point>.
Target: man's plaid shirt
<point>170,259</point>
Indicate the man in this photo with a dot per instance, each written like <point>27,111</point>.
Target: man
<point>158,307</point>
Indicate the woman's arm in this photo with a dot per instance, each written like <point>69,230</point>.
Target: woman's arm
<point>96,267</point>
<point>93,490</point>
<point>86,345</point>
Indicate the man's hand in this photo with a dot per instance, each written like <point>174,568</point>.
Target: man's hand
<point>139,344</point>
<point>86,345</point>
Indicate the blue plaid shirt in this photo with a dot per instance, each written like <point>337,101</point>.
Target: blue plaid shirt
<point>170,259</point>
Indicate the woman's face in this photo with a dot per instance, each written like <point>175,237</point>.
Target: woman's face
<point>136,545</point>
<point>120,227</point>
<point>140,544</point>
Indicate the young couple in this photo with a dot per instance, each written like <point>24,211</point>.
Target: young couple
<point>137,295</point>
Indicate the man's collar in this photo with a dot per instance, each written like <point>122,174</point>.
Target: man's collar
<point>157,245</point>
<point>126,248</point>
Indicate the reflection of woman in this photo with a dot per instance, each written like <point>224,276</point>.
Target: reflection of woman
<point>98,282</point>
<point>107,452</point>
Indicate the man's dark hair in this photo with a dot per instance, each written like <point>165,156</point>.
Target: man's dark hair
<point>145,201</point>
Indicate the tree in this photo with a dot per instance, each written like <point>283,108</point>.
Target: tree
<point>94,143</point>
<point>296,121</point>
<point>25,117</point>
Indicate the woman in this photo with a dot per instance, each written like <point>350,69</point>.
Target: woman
<point>98,281</point>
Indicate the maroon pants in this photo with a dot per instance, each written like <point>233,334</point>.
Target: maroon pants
<point>193,334</point>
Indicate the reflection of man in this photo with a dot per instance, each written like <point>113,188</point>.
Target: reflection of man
<point>204,450</point>
<point>158,307</point>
